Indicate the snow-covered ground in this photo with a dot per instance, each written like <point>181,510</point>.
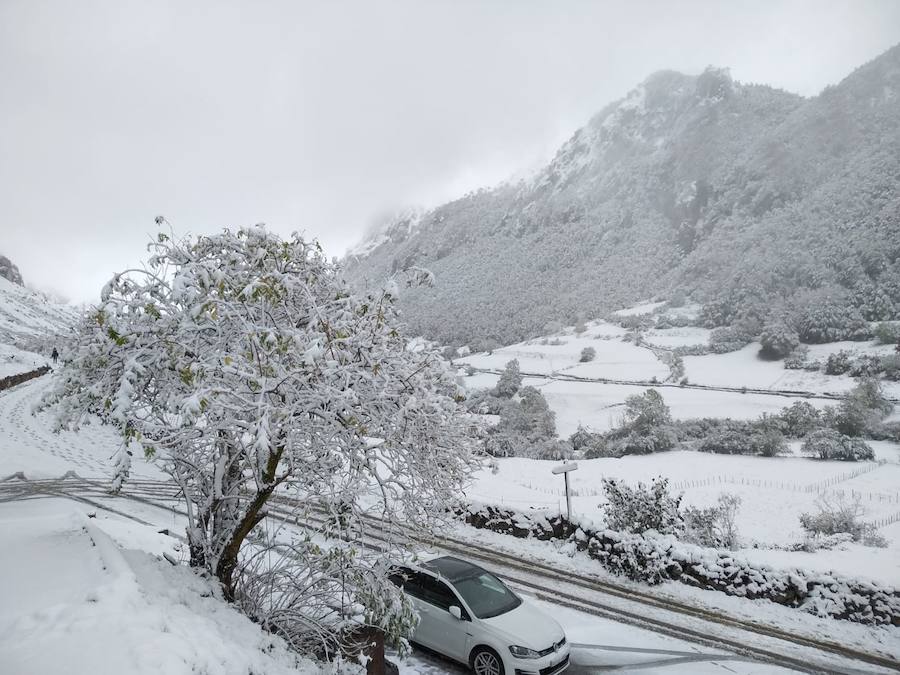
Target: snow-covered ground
<point>86,591</point>
<point>14,360</point>
<point>743,368</point>
<point>75,601</point>
<point>28,443</point>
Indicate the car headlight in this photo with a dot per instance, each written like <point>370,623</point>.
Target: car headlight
<point>523,652</point>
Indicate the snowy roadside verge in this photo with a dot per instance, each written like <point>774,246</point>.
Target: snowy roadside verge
<point>74,601</point>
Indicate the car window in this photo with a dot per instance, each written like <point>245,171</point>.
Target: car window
<point>438,593</point>
<point>411,582</point>
<point>486,595</point>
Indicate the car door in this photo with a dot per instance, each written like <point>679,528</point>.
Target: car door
<point>413,584</point>
<point>439,629</point>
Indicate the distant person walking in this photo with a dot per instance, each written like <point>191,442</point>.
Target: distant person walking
<point>54,355</point>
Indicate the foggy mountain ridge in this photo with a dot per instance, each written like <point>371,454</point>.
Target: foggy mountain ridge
<point>743,197</point>
<point>9,271</point>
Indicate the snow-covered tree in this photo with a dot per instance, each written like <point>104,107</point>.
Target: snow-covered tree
<point>510,380</point>
<point>778,340</point>
<point>242,363</point>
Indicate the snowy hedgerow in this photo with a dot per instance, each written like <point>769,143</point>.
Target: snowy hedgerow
<point>657,439</point>
<point>734,337</point>
<point>587,354</point>
<point>778,340</point>
<point>510,380</point>
<point>726,442</point>
<point>829,444</point>
<point>243,364</point>
<point>641,508</point>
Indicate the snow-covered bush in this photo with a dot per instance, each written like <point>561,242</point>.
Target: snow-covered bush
<point>778,340</point>
<point>726,442</point>
<point>641,508</point>
<point>888,332</point>
<point>860,411</point>
<point>243,363</point>
<point>646,411</point>
<point>510,380</point>
<point>526,426</point>
<point>599,447</point>
<point>797,359</point>
<point>713,526</point>
<point>587,354</point>
<point>819,319</point>
<point>657,439</point>
<point>729,339</point>
<point>768,443</point>
<point>890,366</point>
<point>799,419</point>
<point>836,515</point>
<point>838,363</point>
<point>829,444</point>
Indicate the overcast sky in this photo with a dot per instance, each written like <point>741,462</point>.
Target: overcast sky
<point>323,116</point>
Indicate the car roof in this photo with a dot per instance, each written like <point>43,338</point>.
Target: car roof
<point>452,569</point>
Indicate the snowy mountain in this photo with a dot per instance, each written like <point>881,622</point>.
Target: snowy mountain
<point>28,318</point>
<point>747,198</point>
<point>9,271</point>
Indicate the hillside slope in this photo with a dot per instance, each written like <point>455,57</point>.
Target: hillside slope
<point>745,197</point>
<point>29,319</point>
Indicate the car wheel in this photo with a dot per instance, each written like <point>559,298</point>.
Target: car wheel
<point>486,661</point>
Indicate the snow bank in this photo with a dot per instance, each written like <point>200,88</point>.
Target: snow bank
<point>74,602</point>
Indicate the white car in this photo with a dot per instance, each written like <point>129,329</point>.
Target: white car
<point>470,616</point>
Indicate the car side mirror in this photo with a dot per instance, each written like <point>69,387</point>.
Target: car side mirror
<point>455,612</point>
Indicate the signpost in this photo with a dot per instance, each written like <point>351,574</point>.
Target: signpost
<point>564,469</point>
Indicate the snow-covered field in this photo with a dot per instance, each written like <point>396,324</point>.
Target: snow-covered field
<point>773,492</point>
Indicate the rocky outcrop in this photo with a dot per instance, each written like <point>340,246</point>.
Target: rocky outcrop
<point>10,271</point>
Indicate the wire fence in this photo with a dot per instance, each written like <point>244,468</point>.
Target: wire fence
<point>824,486</point>
<point>889,520</point>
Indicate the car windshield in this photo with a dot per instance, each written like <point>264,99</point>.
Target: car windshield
<point>486,595</point>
